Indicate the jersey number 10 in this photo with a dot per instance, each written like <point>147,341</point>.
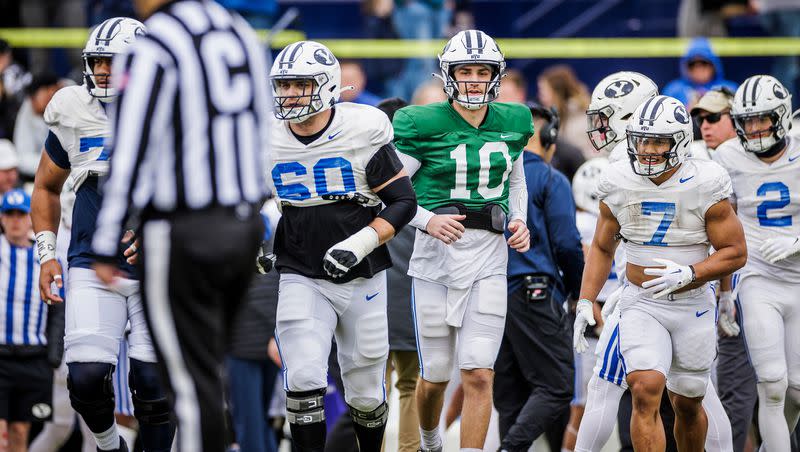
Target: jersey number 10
<point>459,154</point>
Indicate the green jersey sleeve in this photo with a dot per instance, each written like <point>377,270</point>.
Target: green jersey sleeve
<point>406,135</point>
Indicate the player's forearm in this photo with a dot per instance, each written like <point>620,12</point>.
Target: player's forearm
<point>596,271</point>
<point>517,193</point>
<point>721,264</point>
<point>726,284</point>
<point>45,209</point>
<point>384,229</point>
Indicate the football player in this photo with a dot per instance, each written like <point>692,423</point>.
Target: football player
<point>763,166</point>
<point>463,155</point>
<point>603,370</point>
<point>96,315</point>
<point>613,101</point>
<point>334,164</point>
<point>667,209</point>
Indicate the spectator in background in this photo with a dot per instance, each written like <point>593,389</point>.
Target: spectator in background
<point>712,117</point>
<point>259,13</point>
<point>30,130</point>
<point>514,87</point>
<point>570,156</point>
<point>353,75</point>
<point>377,16</point>
<point>403,358</point>
<point>9,175</point>
<point>708,17</point>
<point>701,70</point>
<point>417,19</point>
<point>429,92</point>
<point>53,13</point>
<point>13,77</point>
<point>782,18</point>
<point>559,87</point>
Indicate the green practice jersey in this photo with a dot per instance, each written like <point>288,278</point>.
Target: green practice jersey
<point>460,163</point>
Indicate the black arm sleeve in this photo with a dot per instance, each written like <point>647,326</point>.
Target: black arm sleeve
<point>384,165</point>
<point>400,201</point>
<point>55,333</point>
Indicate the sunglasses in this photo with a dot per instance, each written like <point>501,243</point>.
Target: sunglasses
<point>712,118</point>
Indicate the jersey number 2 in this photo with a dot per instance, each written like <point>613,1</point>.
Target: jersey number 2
<point>668,209</point>
<point>459,154</point>
<point>766,206</point>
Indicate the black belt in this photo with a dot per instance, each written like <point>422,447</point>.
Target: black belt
<point>477,219</point>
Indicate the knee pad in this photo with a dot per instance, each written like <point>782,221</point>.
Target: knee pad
<point>306,377</point>
<point>371,419</point>
<point>793,394</point>
<point>687,385</point>
<point>306,407</point>
<point>150,405</point>
<point>773,392</point>
<point>91,390</point>
<point>478,353</point>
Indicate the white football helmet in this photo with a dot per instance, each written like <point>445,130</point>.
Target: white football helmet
<point>758,99</point>
<point>107,40</point>
<point>584,184</point>
<point>613,101</point>
<point>305,60</point>
<point>660,127</point>
<point>471,47</point>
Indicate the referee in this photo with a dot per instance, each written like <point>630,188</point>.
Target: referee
<point>188,139</point>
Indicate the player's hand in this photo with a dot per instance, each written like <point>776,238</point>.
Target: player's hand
<point>727,315</point>
<point>611,302</point>
<point>520,239</point>
<point>273,352</point>
<point>584,316</point>
<point>343,256</point>
<point>779,248</point>
<point>131,253</point>
<point>107,273</point>
<point>671,277</point>
<point>445,227</point>
<point>50,272</point>
<point>264,261</point>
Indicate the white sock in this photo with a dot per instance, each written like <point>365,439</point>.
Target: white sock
<point>109,439</point>
<point>600,414</point>
<point>430,439</point>
<point>128,434</point>
<point>771,420</point>
<point>719,437</point>
<point>470,449</point>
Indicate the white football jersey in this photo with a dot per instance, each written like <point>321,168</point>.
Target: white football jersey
<point>335,163</point>
<point>79,122</point>
<point>767,200</point>
<point>587,223</point>
<point>620,152</point>
<point>664,221</point>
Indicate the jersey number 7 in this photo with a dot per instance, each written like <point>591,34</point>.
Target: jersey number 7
<point>668,209</point>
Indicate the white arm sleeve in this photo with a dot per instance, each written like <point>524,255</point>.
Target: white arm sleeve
<point>411,165</point>
<point>517,192</point>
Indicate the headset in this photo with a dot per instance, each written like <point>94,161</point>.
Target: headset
<point>549,132</point>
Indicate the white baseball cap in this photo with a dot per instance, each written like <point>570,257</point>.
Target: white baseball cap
<point>8,155</point>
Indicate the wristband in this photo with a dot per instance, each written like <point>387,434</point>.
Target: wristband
<point>694,275</point>
<point>46,246</point>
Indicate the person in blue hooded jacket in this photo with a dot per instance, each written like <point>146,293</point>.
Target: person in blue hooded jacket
<point>701,71</point>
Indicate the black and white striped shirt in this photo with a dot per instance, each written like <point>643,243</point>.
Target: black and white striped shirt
<point>189,126</point>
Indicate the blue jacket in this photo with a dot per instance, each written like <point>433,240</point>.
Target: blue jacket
<point>555,242</point>
<point>687,91</point>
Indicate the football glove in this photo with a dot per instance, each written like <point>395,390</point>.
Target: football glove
<point>343,256</point>
<point>727,315</point>
<point>779,248</point>
<point>583,317</point>
<point>670,278</point>
<point>611,302</point>
<point>264,261</point>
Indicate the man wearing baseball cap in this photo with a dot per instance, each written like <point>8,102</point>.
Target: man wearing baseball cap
<point>712,119</point>
<point>9,175</point>
<point>26,376</point>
